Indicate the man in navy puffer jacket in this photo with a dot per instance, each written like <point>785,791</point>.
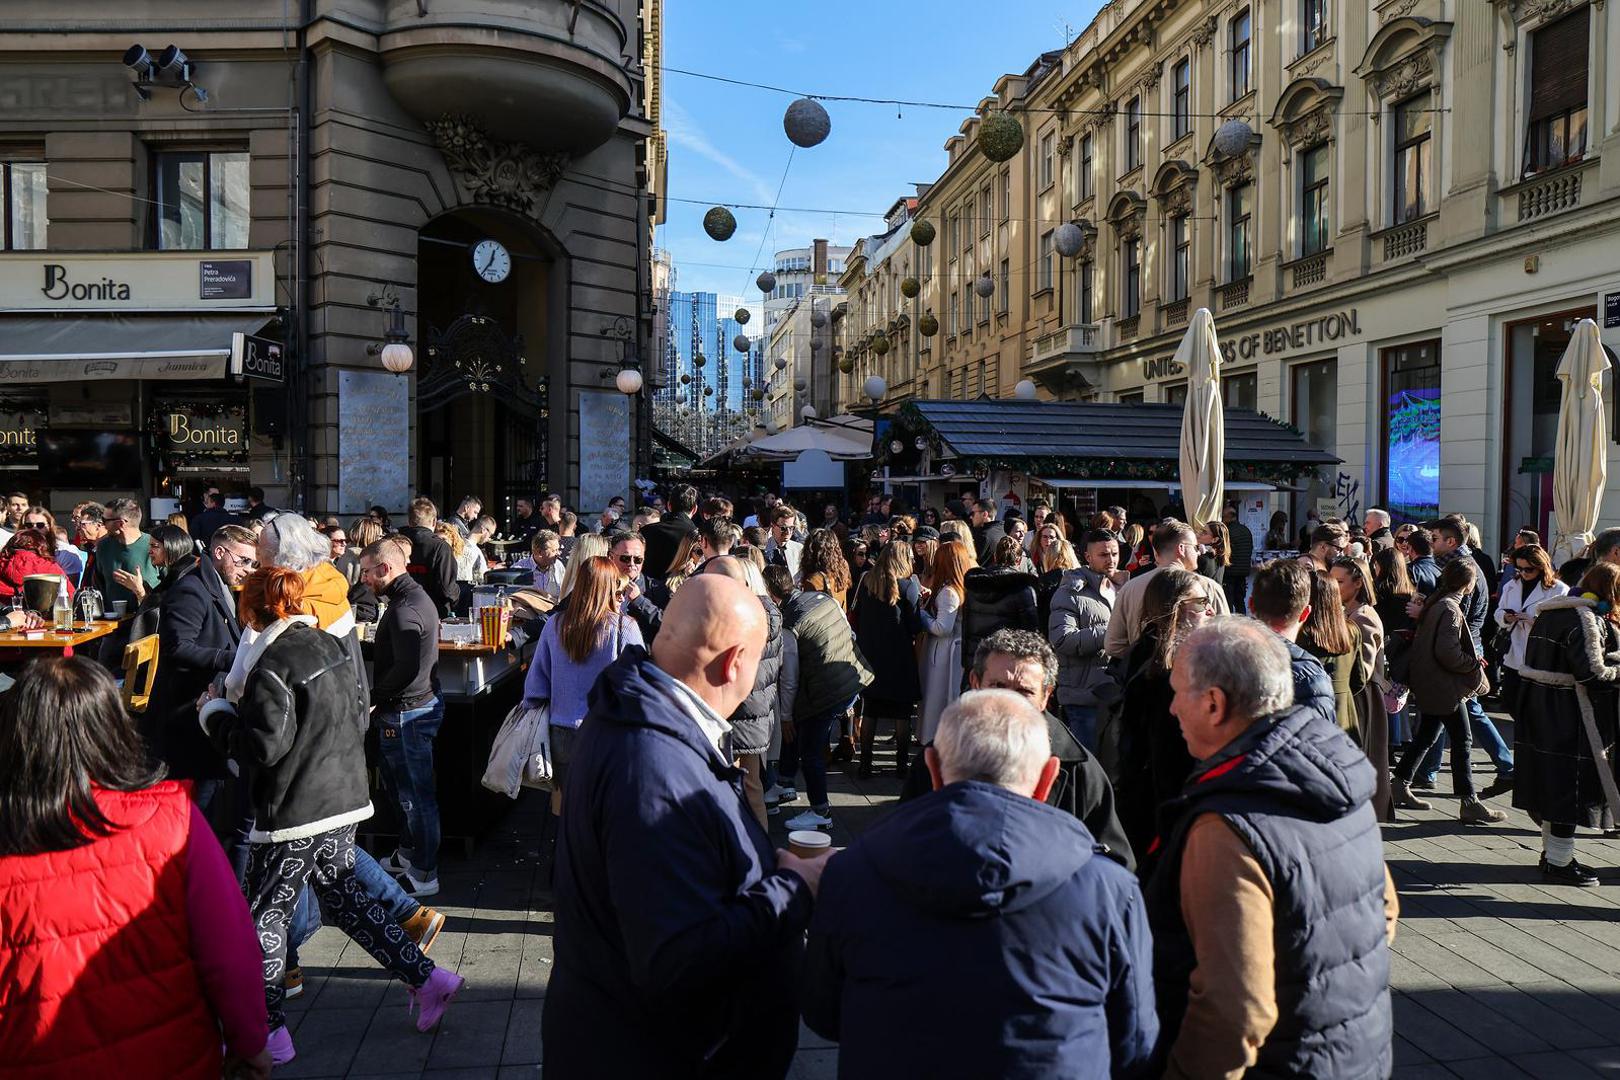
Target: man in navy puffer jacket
<point>976,931</point>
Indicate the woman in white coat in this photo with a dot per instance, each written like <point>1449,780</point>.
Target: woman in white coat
<point>1533,583</point>
<point>941,617</point>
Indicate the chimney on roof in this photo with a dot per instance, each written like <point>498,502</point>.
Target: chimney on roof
<point>820,260</point>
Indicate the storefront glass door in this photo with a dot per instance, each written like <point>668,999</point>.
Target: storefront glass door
<point>1316,414</point>
<point>1530,420</point>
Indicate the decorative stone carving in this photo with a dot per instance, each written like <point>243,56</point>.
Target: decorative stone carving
<point>1065,146</point>
<point>513,175</point>
<point>1314,127</point>
<point>1178,201</point>
<point>1533,10</point>
<point>1235,170</point>
<point>1205,32</point>
<point>1405,77</point>
<point>1150,80</point>
<point>1396,10</point>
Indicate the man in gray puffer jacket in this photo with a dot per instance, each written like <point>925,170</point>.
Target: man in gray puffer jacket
<point>756,720</point>
<point>1077,628</point>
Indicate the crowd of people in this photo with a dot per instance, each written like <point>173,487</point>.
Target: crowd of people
<point>1140,770</point>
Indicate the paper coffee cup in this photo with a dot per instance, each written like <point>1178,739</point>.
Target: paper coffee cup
<point>808,843</point>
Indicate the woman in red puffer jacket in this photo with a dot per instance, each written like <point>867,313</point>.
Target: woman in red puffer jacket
<point>28,552</point>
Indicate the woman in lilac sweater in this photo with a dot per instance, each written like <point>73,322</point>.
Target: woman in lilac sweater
<point>577,645</point>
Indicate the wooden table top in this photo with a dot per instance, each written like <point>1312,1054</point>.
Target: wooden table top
<point>469,647</point>
<point>55,639</point>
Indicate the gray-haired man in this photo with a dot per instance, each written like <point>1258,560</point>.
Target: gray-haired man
<point>1272,911</point>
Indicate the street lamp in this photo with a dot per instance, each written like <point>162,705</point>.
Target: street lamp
<point>394,350</point>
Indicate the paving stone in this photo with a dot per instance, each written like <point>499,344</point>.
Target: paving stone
<point>522,1046</point>
<point>471,1034</point>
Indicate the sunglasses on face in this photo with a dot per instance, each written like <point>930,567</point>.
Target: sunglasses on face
<point>1526,569</point>
<point>632,560</point>
<point>338,539</point>
<point>244,562</point>
<point>37,524</point>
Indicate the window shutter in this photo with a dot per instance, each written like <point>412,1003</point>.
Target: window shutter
<point>1558,65</point>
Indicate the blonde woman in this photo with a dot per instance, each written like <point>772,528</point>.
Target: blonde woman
<point>585,547</point>
<point>964,533</point>
<point>470,564</point>
<point>1056,559</point>
<point>685,563</point>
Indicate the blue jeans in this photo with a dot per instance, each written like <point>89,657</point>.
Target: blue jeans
<point>809,748</point>
<point>406,742</point>
<point>1081,720</point>
<point>1490,740</point>
<point>379,885</point>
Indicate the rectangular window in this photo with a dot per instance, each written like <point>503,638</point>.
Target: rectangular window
<point>1004,287</point>
<point>1181,256</point>
<point>22,190</point>
<point>1129,397</point>
<point>1313,19</point>
<point>1314,210</point>
<point>1131,279</point>
<point>1044,274</point>
<point>1133,134</point>
<point>1048,160</point>
<point>1088,185</point>
<point>1238,54</point>
<point>1239,223</point>
<point>987,209</point>
<point>1315,412</point>
<point>954,313</point>
<point>1557,117</point>
<point>1240,391</point>
<point>1006,194</point>
<point>1414,157</point>
<point>1411,488</point>
<point>202,201</point>
<point>1088,304</point>
<point>1181,99</point>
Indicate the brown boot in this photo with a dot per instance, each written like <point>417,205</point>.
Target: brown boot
<point>423,927</point>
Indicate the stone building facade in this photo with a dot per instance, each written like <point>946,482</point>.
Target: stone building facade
<point>1418,205</point>
<point>492,167</point>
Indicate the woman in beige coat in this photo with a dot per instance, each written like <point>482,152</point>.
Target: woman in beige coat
<point>1354,578</point>
<point>1444,673</point>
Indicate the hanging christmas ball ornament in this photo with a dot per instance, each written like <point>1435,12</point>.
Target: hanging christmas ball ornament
<point>1025,390</point>
<point>1069,239</point>
<point>742,315</point>
<point>875,388</point>
<point>806,123</point>
<point>880,344</point>
<point>748,384</point>
<point>928,326</point>
<point>781,362</point>
<point>766,282</point>
<point>910,287</point>
<point>699,360</point>
<point>984,285</point>
<point>719,223</point>
<point>816,344</point>
<point>741,343</point>
<point>922,233</point>
<point>1233,138</point>
<point>708,391</point>
<point>801,384</point>
<point>771,426</point>
<point>808,412</point>
<point>818,318</point>
<point>759,394</point>
<point>685,379</point>
<point>846,365</point>
<point>1000,136</point>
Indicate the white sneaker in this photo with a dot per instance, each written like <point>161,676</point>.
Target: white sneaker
<point>787,793</point>
<point>395,864</point>
<point>810,819</point>
<point>411,886</point>
<point>773,793</point>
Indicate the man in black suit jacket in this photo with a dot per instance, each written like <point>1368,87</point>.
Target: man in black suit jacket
<point>197,638</point>
<point>213,516</point>
<point>664,537</point>
<point>431,562</point>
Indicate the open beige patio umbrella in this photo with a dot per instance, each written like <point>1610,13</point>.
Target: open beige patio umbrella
<point>1580,462</point>
<point>1203,423</point>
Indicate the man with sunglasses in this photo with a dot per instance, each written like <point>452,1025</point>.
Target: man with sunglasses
<point>125,548</point>
<point>647,596</point>
<point>197,640</point>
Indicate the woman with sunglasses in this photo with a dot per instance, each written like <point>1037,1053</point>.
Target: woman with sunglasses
<point>1532,584</point>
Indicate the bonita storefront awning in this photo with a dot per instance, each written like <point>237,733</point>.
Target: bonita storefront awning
<point>74,348</point>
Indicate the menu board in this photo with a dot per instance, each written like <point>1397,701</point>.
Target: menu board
<point>373,436</point>
<point>604,447</point>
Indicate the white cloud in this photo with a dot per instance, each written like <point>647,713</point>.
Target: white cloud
<point>685,133</point>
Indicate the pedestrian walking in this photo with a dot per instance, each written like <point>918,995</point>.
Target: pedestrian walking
<point>998,597</point>
<point>886,627</point>
<point>678,928</point>
<point>1569,694</point>
<point>129,949</point>
<point>299,727</point>
<point>941,616</point>
<point>1272,910</point>
<point>1444,672</point>
<point>1327,635</point>
<point>1081,608</point>
<point>981,884</point>
<point>1357,592</point>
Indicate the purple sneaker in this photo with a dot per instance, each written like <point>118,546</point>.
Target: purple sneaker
<point>280,1046</point>
<point>434,996</point>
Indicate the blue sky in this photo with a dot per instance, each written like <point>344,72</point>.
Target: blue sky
<point>726,143</point>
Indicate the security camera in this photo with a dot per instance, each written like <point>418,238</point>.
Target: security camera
<point>138,60</point>
<point>172,61</point>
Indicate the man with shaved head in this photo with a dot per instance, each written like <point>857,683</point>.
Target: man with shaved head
<point>679,930</point>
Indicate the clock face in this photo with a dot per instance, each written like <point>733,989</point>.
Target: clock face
<point>492,261</point>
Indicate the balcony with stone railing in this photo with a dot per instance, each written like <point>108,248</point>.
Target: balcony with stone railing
<point>1310,270</point>
<point>1235,294</point>
<point>1548,193</point>
<point>1079,342</point>
<point>1402,241</point>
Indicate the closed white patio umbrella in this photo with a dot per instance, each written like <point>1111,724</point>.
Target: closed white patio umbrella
<point>1580,462</point>
<point>1203,422</point>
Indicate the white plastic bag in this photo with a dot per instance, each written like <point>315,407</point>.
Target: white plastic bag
<point>521,756</point>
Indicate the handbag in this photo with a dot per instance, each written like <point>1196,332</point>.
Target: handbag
<point>521,754</point>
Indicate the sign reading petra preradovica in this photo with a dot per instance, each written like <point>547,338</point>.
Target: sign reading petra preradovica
<point>257,357</point>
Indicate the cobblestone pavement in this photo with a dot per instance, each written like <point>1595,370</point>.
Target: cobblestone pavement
<point>1495,973</point>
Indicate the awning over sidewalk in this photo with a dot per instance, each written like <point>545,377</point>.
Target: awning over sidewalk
<point>71,348</point>
<point>1094,441</point>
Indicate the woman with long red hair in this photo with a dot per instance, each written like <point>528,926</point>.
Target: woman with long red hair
<point>577,644</point>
